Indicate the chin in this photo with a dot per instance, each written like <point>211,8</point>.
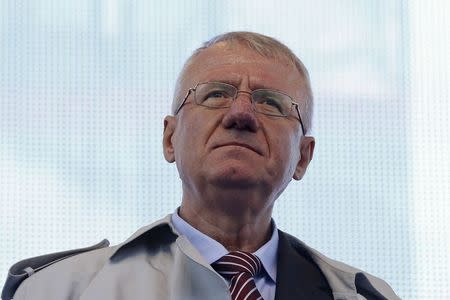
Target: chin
<point>234,178</point>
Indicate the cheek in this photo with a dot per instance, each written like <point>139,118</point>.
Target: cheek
<point>189,138</point>
<point>286,153</point>
<point>184,154</point>
<point>180,143</point>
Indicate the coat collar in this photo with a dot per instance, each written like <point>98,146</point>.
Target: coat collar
<point>340,277</point>
<point>147,232</point>
<point>298,278</point>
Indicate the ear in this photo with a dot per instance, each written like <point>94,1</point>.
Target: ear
<point>307,145</point>
<point>169,129</point>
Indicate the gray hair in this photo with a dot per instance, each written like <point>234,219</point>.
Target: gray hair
<point>265,46</point>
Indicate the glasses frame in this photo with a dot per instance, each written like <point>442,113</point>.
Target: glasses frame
<point>193,89</point>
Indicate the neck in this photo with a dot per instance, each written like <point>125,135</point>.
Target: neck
<point>237,220</point>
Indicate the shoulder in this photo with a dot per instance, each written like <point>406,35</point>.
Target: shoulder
<point>54,268</point>
<point>65,275</point>
<point>342,277</point>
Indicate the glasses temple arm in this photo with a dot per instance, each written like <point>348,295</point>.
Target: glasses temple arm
<point>299,117</point>
<point>184,100</point>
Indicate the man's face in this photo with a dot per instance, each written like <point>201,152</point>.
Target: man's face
<point>235,147</point>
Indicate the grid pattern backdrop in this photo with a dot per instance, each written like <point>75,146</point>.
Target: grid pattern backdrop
<point>84,86</point>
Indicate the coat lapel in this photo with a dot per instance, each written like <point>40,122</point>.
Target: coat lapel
<point>298,277</point>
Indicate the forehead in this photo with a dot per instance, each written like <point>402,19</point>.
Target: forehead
<point>237,64</point>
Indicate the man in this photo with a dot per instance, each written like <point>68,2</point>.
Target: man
<point>238,134</point>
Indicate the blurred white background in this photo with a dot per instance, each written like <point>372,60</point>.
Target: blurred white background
<point>84,86</point>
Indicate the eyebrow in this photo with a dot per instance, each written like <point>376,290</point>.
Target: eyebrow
<point>228,81</point>
<point>236,83</point>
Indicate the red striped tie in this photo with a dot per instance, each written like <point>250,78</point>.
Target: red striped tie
<point>240,267</point>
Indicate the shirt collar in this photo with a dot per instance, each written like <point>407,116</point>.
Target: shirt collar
<point>212,250</point>
<point>268,253</point>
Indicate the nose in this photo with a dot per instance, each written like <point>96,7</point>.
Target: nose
<point>241,114</point>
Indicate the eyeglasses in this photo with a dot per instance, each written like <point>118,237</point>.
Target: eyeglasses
<point>221,95</point>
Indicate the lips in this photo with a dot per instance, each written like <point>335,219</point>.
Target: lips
<point>238,144</point>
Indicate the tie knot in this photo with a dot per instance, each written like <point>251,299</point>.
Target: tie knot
<point>237,262</point>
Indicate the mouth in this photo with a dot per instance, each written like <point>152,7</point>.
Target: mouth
<point>234,144</point>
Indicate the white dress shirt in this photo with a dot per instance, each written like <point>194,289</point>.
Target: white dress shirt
<point>212,250</point>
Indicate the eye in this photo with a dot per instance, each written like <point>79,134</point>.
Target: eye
<point>215,97</point>
<point>271,105</point>
<point>216,94</point>
<point>271,102</point>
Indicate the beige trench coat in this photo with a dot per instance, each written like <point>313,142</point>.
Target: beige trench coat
<point>154,263</point>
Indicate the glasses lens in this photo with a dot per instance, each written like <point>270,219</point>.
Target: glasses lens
<point>214,94</point>
<point>272,102</point>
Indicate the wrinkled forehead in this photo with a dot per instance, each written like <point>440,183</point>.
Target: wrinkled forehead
<point>234,52</point>
<point>232,61</point>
